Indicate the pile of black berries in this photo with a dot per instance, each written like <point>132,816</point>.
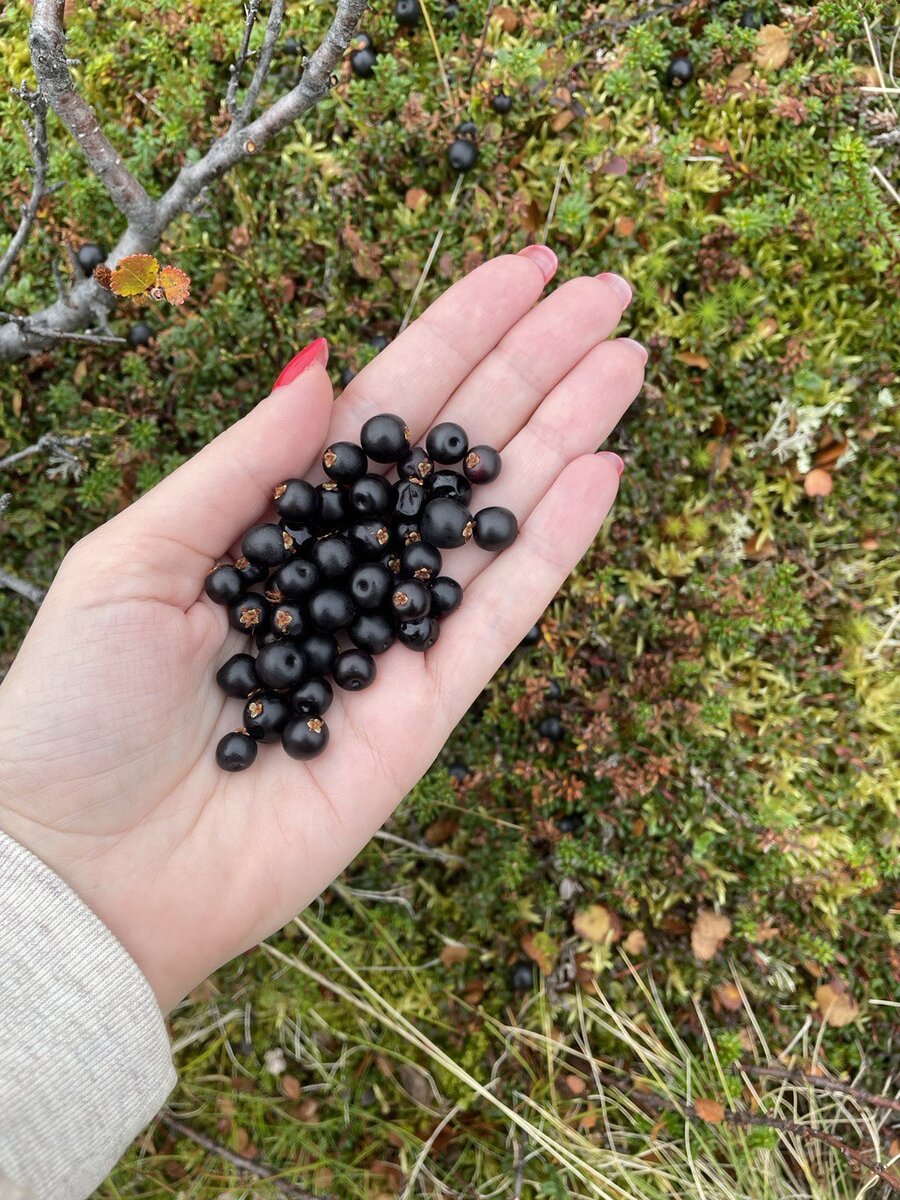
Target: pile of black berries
<point>351,566</point>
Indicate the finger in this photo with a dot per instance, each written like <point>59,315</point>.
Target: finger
<point>415,374</point>
<point>506,387</point>
<point>509,596</point>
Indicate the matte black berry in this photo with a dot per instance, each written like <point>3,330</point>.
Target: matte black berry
<point>373,632</point>
<point>250,572</point>
<point>297,502</point>
<point>521,976</point>
<point>266,715</point>
<point>447,443</point>
<point>89,256</point>
<point>409,499</point>
<point>224,584</point>
<point>249,614</point>
<point>451,12</point>
<point>313,698</point>
<point>236,751</point>
<point>531,638</point>
<point>570,823</point>
<point>347,376</point>
<point>299,578</point>
<point>140,334</point>
<point>385,438</point>
<point>554,691</point>
<point>344,462</point>
<point>291,46</point>
<point>751,18</point>
<point>495,528</point>
<point>458,771</point>
<point>354,670</point>
<point>302,536</point>
<point>410,599</point>
<point>362,62</point>
<point>380,341</point>
<point>304,737</point>
<point>333,507</point>
<point>407,533</point>
<point>679,71</point>
<point>482,464</point>
<point>502,103</point>
<point>320,650</point>
<point>415,464</point>
<point>462,155</point>
<point>551,728</point>
<point>420,634</point>
<point>446,596</point>
<point>408,13</point>
<point>362,41</point>
<point>237,677</point>
<point>370,586</point>
<point>281,665</point>
<point>369,539</point>
<point>446,523</point>
<point>450,484</point>
<point>467,129</point>
<point>333,556</point>
<point>420,561</point>
<point>371,496</point>
<point>287,619</point>
<point>331,610</point>
<point>268,545</point>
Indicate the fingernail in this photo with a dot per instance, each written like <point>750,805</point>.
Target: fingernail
<point>620,286</point>
<point>641,349</point>
<point>544,257</point>
<point>614,459</point>
<point>315,352</point>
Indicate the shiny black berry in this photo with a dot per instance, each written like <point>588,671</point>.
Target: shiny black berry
<point>347,376</point>
<point>570,823</point>
<point>679,71</point>
<point>237,677</point>
<point>446,523</point>
<point>502,103</point>
<point>319,650</point>
<point>447,443</point>
<point>415,464</point>
<point>287,619</point>
<point>450,484</point>
<point>482,464</point>
<point>420,634</point>
<point>462,155</point>
<point>304,737</point>
<point>458,772</point>
<point>362,62</point>
<point>751,18</point>
<point>451,12</point>
<point>521,976</point>
<point>362,41</point>
<point>302,536</point>
<point>224,584</point>
<point>420,561</point>
<point>446,596</point>
<point>265,715</point>
<point>354,670</point>
<point>409,499</point>
<point>531,638</point>
<point>551,728</point>
<point>370,586</point>
<point>408,13</point>
<point>380,341</point>
<point>333,556</point>
<point>406,533</point>
<point>392,561</point>
<point>467,129</point>
<point>410,599</point>
<point>236,751</point>
<point>371,496</point>
<point>299,578</point>
<point>373,632</point>
<point>344,462</point>
<point>385,438</point>
<point>554,691</point>
<point>297,502</point>
<point>250,572</point>
<point>313,698</point>
<point>333,507</point>
<point>140,334</point>
<point>495,528</point>
<point>249,614</point>
<point>268,545</point>
<point>331,610</point>
<point>369,539</point>
<point>89,256</point>
<point>281,665</point>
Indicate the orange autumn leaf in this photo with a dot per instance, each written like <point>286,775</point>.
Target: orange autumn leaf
<point>175,284</point>
<point>710,1110</point>
<point>818,482</point>
<point>694,360</point>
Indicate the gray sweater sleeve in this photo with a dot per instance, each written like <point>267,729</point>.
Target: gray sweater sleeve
<point>85,1061</point>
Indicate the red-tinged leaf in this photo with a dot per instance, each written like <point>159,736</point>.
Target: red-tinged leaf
<point>710,1110</point>
<point>103,275</point>
<point>134,275</point>
<point>175,284</point>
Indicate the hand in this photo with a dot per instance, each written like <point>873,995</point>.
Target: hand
<point>110,715</point>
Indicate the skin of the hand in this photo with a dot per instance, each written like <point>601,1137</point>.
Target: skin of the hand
<point>110,715</point>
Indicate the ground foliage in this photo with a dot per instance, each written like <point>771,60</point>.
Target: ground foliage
<point>722,804</point>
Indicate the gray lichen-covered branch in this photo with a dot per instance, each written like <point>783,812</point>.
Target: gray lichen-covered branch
<point>36,132</point>
<point>87,304</point>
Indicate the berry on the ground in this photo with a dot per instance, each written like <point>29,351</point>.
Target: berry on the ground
<point>236,751</point>
<point>502,103</point>
<point>522,975</point>
<point>570,823</point>
<point>362,62</point>
<point>458,771</point>
<point>408,13</point>
<point>551,728</point>
<point>140,334</point>
<point>462,154</point>
<point>467,129</point>
<point>679,71</point>
<point>531,638</point>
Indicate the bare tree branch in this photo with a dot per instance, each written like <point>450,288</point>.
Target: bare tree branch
<point>5,501</point>
<point>252,11</point>
<point>266,54</point>
<point>86,301</point>
<point>22,587</point>
<point>36,132</point>
<point>51,443</point>
<point>872,1099</point>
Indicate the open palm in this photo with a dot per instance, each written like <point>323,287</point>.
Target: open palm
<point>110,715</point>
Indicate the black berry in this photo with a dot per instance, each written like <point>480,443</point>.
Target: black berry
<point>420,561</point>
<point>531,638</point>
<point>410,599</point>
<point>333,556</point>
<point>679,71</point>
<point>570,823</point>
<point>347,376</point>
<point>291,46</point>
<point>313,698</point>
<point>554,691</point>
<point>333,509</point>
<point>89,256</point>
<point>297,501</point>
<point>369,539</point>
<point>482,464</point>
<point>462,155</point>
<point>299,577</point>
<point>281,665</point>
<point>495,528</point>
<point>236,751</point>
<point>451,12</point>
<point>407,532</point>
<point>331,610</point>
<point>467,129</point>
<point>354,670</point>
<point>446,596</point>
<point>287,619</point>
<point>551,728</point>
<point>224,584</point>
<point>415,464</point>
<point>522,976</point>
<point>249,614</point>
<point>268,545</point>
<point>420,634</point>
<point>385,438</point>
<point>370,586</point>
<point>250,572</point>
<point>265,716</point>
<point>344,462</point>
<point>446,523</point>
<point>380,341</point>
<point>502,103</point>
<point>362,41</point>
<point>408,13</point>
<point>319,650</point>
<point>751,18</point>
<point>372,632</point>
<point>237,676</point>
<point>450,484</point>
<point>409,498</point>
<point>458,771</point>
<point>140,334</point>
<point>301,535</point>
<point>371,496</point>
<point>304,737</point>
<point>391,561</point>
<point>447,443</point>
<point>362,62</point>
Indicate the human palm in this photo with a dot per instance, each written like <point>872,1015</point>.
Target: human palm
<point>110,714</point>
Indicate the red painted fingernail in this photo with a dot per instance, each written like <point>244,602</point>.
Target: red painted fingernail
<point>620,286</point>
<point>315,352</point>
<point>544,257</point>
<point>614,459</point>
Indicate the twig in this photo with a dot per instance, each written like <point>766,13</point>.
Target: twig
<point>55,443</point>
<point>22,587</point>
<point>422,1156</point>
<point>627,22</point>
<point>36,132</point>
<point>263,66</point>
<point>828,1085</point>
<point>252,11</point>
<point>476,61</point>
<point>260,1170</point>
<point>426,851</point>
<point>5,501</point>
